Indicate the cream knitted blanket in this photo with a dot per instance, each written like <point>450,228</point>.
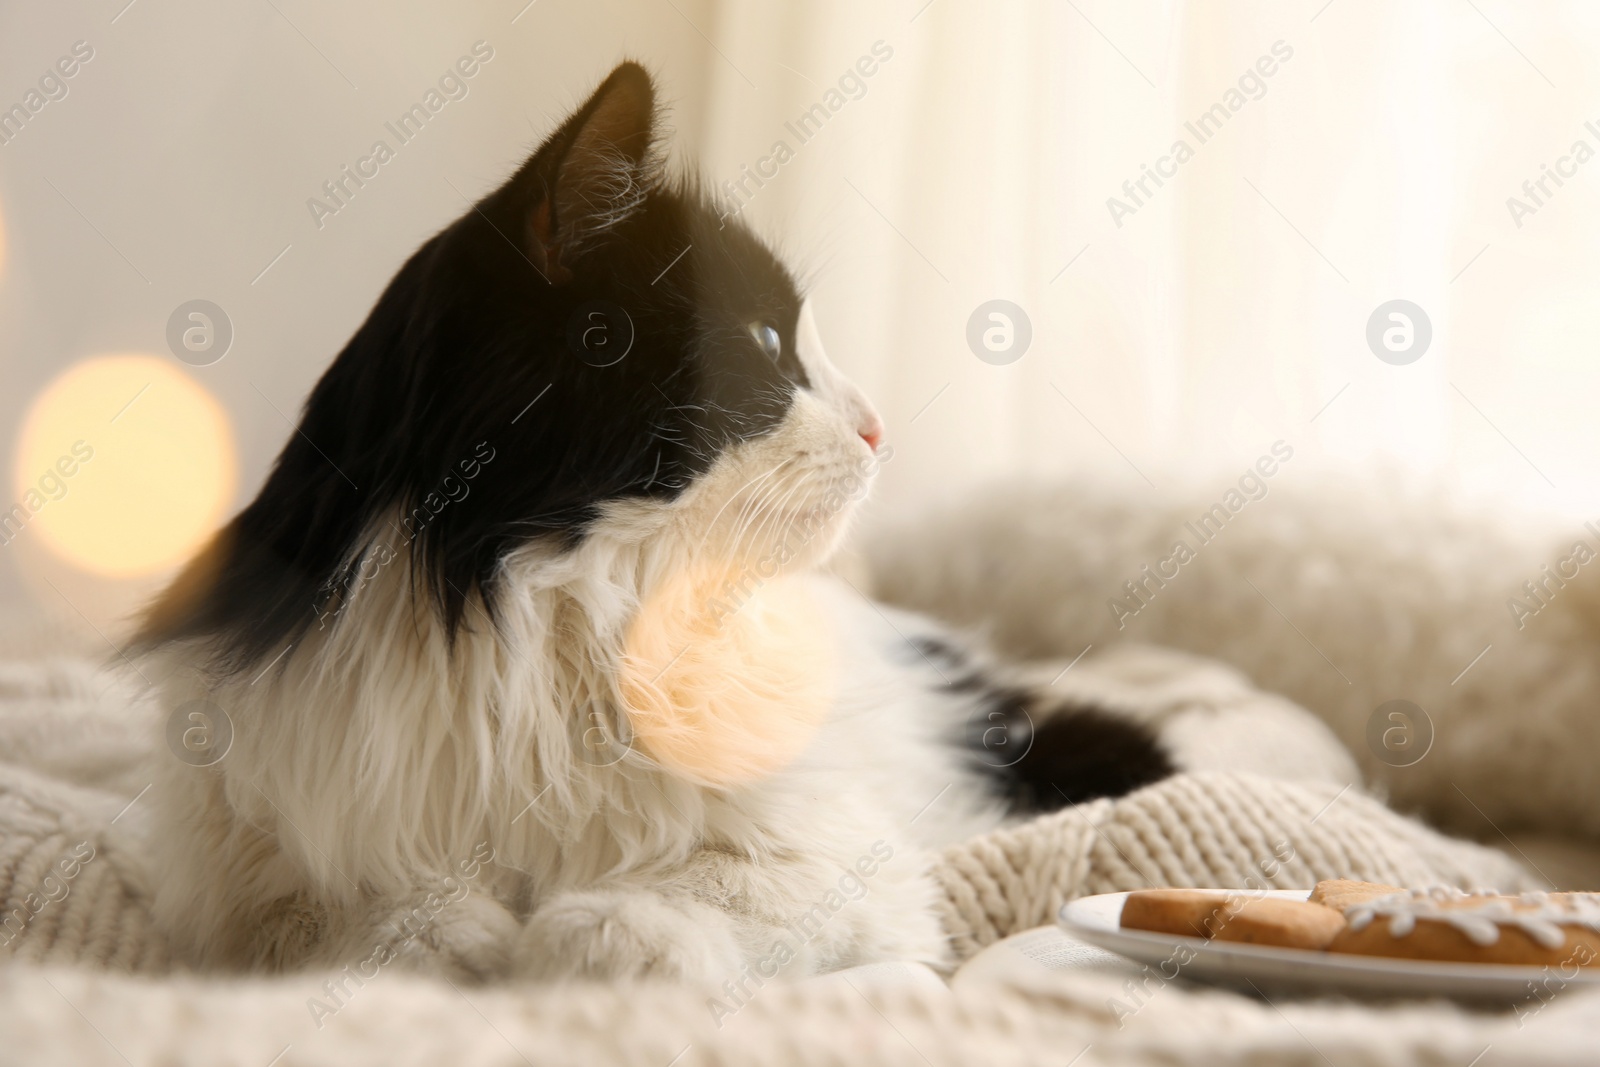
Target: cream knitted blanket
<point>89,980</point>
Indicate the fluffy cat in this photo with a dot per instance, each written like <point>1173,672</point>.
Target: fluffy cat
<point>521,649</point>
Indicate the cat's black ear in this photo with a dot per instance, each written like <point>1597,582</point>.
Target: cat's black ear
<point>592,171</point>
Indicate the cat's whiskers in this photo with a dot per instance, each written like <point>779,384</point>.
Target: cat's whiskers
<point>770,516</point>
<point>753,508</point>
<point>758,506</point>
<point>734,497</point>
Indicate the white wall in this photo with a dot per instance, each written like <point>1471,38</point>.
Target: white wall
<point>191,143</point>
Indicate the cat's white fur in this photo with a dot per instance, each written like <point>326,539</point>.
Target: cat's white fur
<point>374,766</point>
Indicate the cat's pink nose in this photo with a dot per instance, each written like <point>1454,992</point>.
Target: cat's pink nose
<point>871,431</point>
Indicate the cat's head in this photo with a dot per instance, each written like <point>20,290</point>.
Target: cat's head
<point>590,350</point>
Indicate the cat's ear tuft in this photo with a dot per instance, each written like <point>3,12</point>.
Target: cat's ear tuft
<point>593,171</point>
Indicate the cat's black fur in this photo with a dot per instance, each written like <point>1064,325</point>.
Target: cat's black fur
<point>1074,753</point>
<point>487,318</point>
<point>1046,753</point>
<point>479,367</point>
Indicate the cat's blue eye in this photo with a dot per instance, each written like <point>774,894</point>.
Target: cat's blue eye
<point>768,337</point>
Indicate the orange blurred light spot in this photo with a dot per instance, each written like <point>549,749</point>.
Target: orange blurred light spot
<point>124,466</point>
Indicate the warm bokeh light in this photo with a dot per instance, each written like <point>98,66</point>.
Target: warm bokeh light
<point>124,465</point>
<point>727,673</point>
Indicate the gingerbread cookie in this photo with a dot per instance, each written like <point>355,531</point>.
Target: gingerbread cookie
<point>1456,926</point>
<point>1185,912</point>
<point>1364,918</point>
<point>1251,919</point>
<point>1274,921</point>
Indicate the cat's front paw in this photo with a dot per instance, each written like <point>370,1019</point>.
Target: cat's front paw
<point>469,939</point>
<point>626,933</point>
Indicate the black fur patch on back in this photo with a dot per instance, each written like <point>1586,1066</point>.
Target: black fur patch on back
<point>1046,758</point>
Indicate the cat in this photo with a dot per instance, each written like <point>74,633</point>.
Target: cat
<point>524,650</point>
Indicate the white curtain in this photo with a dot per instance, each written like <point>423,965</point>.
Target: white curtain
<point>1229,309</point>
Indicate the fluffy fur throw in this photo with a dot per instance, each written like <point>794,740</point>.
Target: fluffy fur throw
<point>1340,595</point>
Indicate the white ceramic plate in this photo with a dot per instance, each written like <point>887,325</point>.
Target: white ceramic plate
<point>1097,920</point>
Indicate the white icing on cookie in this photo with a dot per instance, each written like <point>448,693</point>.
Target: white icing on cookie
<point>1479,915</point>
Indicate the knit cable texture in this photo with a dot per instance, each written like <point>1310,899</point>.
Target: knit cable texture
<point>1216,830</point>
